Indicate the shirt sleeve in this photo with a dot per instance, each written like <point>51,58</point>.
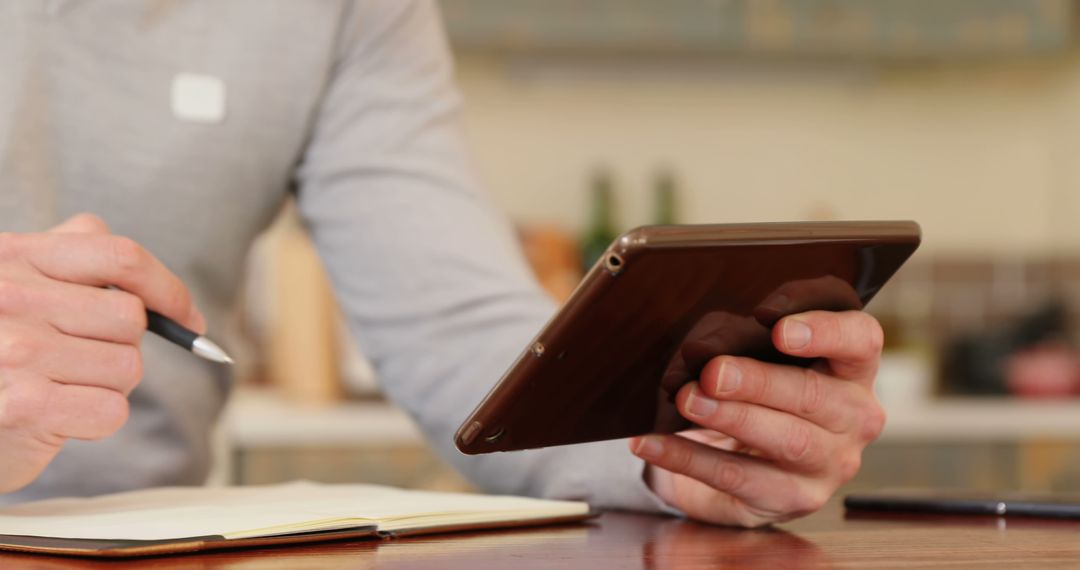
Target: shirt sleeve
<point>428,273</point>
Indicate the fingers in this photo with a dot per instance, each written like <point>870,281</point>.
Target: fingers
<point>827,292</point>
<point>790,441</point>
<point>53,412</point>
<point>99,260</point>
<point>71,360</point>
<point>851,341</point>
<point>90,312</point>
<point>85,412</point>
<point>69,352</point>
<point>806,428</point>
<point>836,405</point>
<point>757,491</point>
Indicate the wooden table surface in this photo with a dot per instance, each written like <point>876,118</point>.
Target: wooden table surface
<point>615,540</point>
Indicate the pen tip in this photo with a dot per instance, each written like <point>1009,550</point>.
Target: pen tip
<point>209,350</point>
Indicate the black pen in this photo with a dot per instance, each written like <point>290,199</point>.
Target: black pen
<point>177,334</point>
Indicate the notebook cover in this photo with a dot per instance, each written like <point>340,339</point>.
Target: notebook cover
<point>135,548</point>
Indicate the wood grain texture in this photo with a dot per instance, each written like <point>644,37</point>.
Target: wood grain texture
<point>616,540</point>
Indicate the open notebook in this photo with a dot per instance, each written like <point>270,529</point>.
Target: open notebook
<point>188,519</point>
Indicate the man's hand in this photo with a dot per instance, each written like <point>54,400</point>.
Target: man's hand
<point>778,440</point>
<point>69,347</point>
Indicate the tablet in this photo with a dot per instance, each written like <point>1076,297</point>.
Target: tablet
<point>966,503</point>
<point>657,306</point>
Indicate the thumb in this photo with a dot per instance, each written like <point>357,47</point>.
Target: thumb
<point>84,223</point>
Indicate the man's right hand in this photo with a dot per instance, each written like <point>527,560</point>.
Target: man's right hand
<point>69,346</point>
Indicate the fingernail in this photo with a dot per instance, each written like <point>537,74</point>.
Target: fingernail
<point>649,447</point>
<point>778,303</point>
<point>730,378</point>
<point>698,405</point>
<point>796,334</point>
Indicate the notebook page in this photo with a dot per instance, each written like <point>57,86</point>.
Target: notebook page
<point>176,522</point>
<point>397,509</point>
<point>170,513</point>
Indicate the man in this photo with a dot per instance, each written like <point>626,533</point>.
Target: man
<point>184,124</point>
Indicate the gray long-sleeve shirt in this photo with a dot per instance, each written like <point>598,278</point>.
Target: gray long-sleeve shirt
<point>186,123</point>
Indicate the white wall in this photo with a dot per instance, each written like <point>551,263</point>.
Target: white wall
<point>985,156</point>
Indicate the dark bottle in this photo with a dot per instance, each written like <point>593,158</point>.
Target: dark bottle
<point>601,230</point>
<point>665,198</point>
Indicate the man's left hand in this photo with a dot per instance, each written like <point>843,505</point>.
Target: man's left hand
<point>777,441</point>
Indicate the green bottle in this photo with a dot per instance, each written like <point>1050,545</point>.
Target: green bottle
<point>664,194</point>
<point>601,230</point>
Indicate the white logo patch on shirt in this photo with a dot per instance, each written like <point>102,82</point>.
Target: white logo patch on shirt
<point>198,98</point>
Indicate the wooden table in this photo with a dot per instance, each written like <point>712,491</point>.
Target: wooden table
<point>616,540</point>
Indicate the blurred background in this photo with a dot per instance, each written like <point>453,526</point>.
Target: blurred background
<point>588,118</point>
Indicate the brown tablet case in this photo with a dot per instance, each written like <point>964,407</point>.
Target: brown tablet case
<point>657,306</point>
